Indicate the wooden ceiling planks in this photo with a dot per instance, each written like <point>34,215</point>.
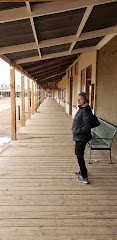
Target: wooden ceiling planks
<point>56,26</point>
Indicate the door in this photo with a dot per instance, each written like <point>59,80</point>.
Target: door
<point>88,79</point>
<point>70,102</point>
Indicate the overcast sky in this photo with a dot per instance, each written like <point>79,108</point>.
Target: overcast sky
<point>5,74</point>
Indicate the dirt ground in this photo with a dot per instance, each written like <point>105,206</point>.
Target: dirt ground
<point>5,118</point>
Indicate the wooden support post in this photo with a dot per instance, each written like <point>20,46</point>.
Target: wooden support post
<point>32,98</point>
<point>44,94</point>
<point>28,85</point>
<point>23,100</point>
<point>35,97</point>
<point>13,105</point>
<point>41,95</point>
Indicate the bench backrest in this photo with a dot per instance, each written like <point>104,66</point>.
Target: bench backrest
<point>105,131</point>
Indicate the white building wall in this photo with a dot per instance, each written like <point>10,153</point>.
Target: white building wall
<point>67,108</point>
<point>74,111</point>
<point>84,60</point>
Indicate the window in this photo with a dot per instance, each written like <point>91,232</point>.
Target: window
<point>59,93</point>
<point>88,79</point>
<point>64,95</point>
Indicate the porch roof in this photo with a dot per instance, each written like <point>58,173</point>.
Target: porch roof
<point>44,38</point>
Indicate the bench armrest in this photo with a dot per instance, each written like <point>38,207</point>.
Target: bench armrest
<point>102,138</point>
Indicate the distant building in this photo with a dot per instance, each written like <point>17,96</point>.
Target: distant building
<point>5,90</point>
<point>3,86</point>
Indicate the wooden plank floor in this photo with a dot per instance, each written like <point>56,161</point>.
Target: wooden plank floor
<point>40,197</point>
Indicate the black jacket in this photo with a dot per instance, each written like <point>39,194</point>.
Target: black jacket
<point>81,127</point>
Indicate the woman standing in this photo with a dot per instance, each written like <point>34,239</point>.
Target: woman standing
<point>81,130</point>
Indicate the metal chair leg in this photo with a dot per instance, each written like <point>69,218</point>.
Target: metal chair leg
<point>110,158</point>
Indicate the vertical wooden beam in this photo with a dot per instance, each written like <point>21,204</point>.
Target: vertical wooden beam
<point>35,97</point>
<point>44,94</point>
<point>41,95</point>
<point>28,85</point>
<point>23,100</point>
<point>32,98</point>
<point>13,105</point>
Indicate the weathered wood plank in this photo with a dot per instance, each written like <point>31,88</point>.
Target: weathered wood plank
<point>62,208</point>
<point>59,236</point>
<point>94,218</point>
<point>58,231</point>
<point>58,222</point>
<point>36,201</point>
<point>40,197</point>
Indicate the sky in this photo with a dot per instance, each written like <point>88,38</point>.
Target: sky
<point>5,74</point>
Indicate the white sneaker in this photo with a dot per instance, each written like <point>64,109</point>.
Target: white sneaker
<point>83,180</point>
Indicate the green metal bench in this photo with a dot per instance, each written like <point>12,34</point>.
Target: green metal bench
<point>102,138</point>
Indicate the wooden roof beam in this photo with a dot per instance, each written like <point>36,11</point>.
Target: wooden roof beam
<point>47,9</point>
<point>51,66</point>
<point>54,55</point>
<point>105,40</point>
<point>39,74</point>
<point>5,59</point>
<point>81,26</point>
<point>33,27</point>
<point>54,75</point>
<point>38,64</point>
<point>58,41</point>
<point>17,67</point>
<point>36,72</point>
<point>18,48</point>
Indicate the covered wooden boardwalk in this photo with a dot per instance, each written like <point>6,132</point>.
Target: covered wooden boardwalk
<point>40,197</point>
